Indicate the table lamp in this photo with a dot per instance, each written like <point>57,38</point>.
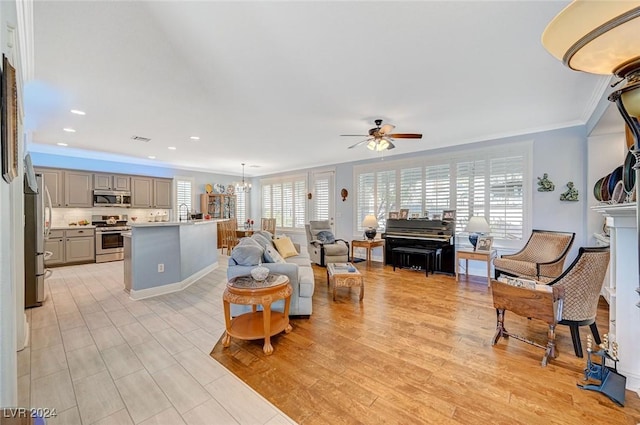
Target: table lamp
<point>370,223</point>
<point>477,225</point>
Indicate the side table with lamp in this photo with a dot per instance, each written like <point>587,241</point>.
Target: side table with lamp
<point>476,226</point>
<point>370,223</point>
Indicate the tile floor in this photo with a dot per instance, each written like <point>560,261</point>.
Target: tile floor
<point>98,357</point>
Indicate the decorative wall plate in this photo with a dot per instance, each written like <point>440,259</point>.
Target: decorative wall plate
<point>208,188</point>
<point>597,189</point>
<point>619,195</point>
<point>616,176</point>
<point>220,188</point>
<point>628,173</point>
<point>604,191</point>
<point>230,189</point>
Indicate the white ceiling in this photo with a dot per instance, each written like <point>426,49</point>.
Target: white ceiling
<point>274,84</point>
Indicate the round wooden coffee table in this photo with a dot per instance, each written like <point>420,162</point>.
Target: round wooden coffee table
<point>257,324</point>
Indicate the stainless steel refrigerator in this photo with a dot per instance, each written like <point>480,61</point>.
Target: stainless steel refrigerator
<point>34,235</point>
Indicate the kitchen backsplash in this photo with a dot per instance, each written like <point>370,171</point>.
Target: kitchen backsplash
<point>62,217</point>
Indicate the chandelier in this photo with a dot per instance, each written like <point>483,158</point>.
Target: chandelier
<point>243,187</point>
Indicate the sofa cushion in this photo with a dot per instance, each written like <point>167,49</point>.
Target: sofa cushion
<point>336,249</point>
<point>326,237</point>
<point>271,255</point>
<point>516,267</point>
<point>247,255</point>
<point>285,247</point>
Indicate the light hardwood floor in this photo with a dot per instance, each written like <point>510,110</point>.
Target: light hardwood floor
<point>99,358</point>
<point>418,350</point>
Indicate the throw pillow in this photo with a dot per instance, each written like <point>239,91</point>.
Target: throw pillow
<point>326,236</point>
<point>247,255</point>
<point>271,255</point>
<point>285,247</point>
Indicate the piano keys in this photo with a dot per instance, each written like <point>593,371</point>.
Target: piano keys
<point>437,235</point>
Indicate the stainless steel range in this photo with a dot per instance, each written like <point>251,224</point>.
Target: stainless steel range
<point>109,239</point>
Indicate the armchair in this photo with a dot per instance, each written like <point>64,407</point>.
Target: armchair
<point>322,245</point>
<point>542,256</point>
<point>582,283</point>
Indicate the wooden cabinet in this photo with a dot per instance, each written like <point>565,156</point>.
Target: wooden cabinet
<point>218,205</point>
<point>77,189</point>
<point>71,246</point>
<point>147,192</point>
<point>54,181</point>
<point>162,193</point>
<point>141,196</point>
<point>55,245</point>
<point>111,182</point>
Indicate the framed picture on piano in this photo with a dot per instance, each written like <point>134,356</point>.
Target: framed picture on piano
<point>394,215</point>
<point>449,215</point>
<point>404,213</point>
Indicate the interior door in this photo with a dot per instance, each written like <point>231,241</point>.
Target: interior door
<point>323,197</point>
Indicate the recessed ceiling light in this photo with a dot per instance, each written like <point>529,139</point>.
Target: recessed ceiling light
<point>194,138</point>
<point>78,112</point>
<point>69,130</point>
<point>172,148</point>
<point>62,144</point>
<point>151,157</point>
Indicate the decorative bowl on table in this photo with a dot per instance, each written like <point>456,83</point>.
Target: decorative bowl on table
<point>259,273</point>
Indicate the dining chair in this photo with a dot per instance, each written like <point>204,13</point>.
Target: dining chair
<point>269,224</point>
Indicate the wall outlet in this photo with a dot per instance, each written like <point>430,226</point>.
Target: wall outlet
<point>160,268</point>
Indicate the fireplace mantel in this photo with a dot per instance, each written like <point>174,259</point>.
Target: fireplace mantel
<point>624,306</point>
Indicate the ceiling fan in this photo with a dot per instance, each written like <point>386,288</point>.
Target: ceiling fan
<point>381,138</point>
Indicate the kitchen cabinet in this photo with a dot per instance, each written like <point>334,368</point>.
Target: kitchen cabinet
<point>55,245</point>
<point>162,193</point>
<point>148,192</point>
<point>111,182</point>
<point>77,189</point>
<point>218,205</point>
<point>53,181</point>
<point>71,246</point>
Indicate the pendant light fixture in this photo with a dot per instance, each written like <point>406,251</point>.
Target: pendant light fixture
<point>243,187</point>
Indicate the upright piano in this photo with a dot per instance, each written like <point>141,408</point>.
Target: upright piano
<point>438,235</point>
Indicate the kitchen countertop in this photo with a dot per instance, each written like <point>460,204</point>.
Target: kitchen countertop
<point>88,226</point>
<point>173,223</point>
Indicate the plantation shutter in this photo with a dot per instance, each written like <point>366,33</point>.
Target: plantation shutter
<point>437,188</point>
<point>300,196</point>
<point>321,195</point>
<point>411,190</point>
<point>276,204</point>
<point>386,194</point>
<point>241,207</point>
<point>287,204</point>
<point>470,191</point>
<point>184,194</point>
<point>285,200</point>
<point>266,201</point>
<point>366,200</point>
<point>506,197</point>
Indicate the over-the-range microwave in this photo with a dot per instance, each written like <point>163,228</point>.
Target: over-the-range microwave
<point>111,198</point>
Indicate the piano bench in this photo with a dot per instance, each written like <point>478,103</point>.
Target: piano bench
<point>404,253</point>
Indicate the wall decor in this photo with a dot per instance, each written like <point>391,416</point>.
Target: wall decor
<point>545,185</point>
<point>344,193</point>
<point>571,194</point>
<point>9,126</point>
<point>309,195</point>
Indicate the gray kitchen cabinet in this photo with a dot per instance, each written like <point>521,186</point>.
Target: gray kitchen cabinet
<point>162,193</point>
<point>141,192</point>
<point>55,245</point>
<point>111,182</point>
<point>54,182</point>
<point>71,246</point>
<point>77,189</point>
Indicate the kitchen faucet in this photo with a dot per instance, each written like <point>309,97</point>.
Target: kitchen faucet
<point>180,212</point>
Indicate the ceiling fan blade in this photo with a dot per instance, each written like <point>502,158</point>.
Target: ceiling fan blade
<point>354,135</point>
<point>386,128</point>
<point>359,143</point>
<point>405,136</point>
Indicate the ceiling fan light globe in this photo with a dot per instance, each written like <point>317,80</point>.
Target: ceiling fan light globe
<point>383,144</point>
<point>372,145</point>
<point>631,99</point>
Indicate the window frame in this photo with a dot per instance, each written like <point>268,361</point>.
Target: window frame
<point>522,148</point>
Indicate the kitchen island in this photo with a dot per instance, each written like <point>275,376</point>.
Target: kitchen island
<point>164,257</point>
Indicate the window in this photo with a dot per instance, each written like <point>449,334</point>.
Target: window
<point>184,194</point>
<point>487,182</point>
<point>284,198</point>
<point>241,207</point>
<point>321,199</point>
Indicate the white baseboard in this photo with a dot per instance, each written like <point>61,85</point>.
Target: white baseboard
<point>633,381</point>
<point>141,294</point>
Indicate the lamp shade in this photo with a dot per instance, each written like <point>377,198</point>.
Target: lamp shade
<point>477,224</point>
<point>370,221</point>
<point>600,37</point>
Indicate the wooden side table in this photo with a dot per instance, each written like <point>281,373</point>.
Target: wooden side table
<point>469,254</point>
<point>368,245</point>
<point>257,324</point>
<point>343,278</point>
<point>545,305</point>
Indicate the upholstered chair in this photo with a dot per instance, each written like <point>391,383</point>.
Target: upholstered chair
<point>323,247</point>
<point>582,283</point>
<point>542,256</point>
